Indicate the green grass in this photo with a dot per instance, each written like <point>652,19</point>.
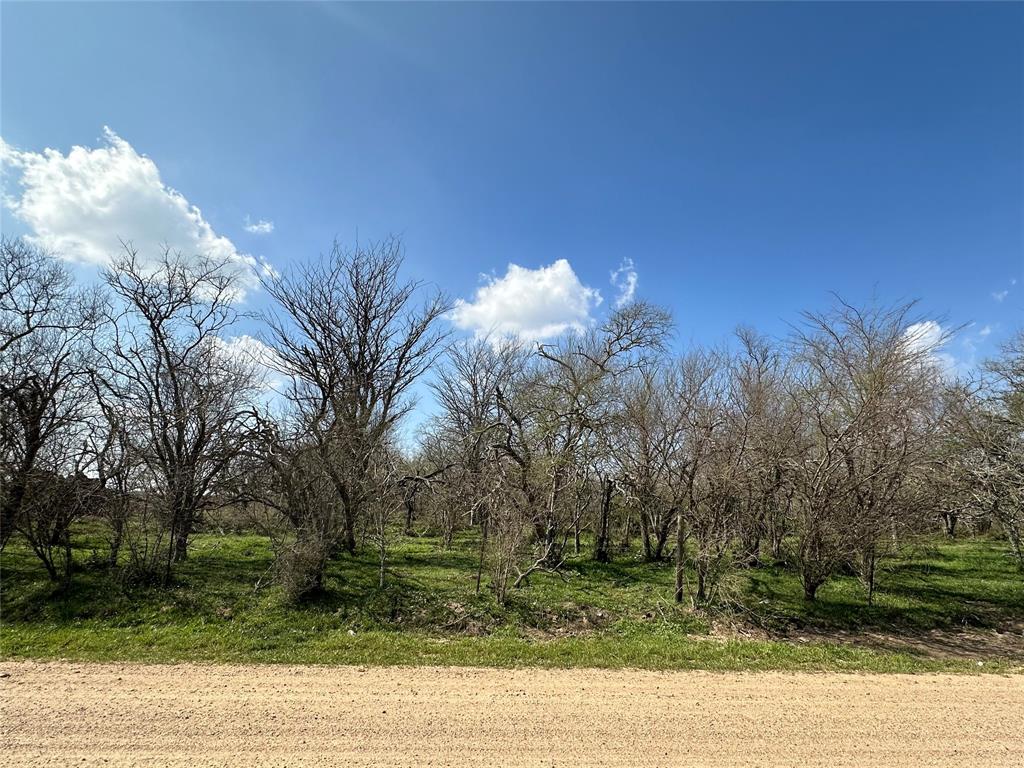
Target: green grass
<point>615,615</point>
<point>937,585</point>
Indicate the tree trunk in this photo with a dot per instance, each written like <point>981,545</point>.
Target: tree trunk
<point>181,544</point>
<point>601,551</point>
<point>645,535</point>
<point>11,507</point>
<point>662,537</point>
<point>51,569</point>
<point>349,539</point>
<point>680,555</point>
<point>483,550</point>
<point>810,588</point>
<point>184,523</point>
<point>9,510</point>
<point>1013,533</point>
<point>752,551</point>
<point>870,567</point>
<point>777,546</point>
<point>69,561</point>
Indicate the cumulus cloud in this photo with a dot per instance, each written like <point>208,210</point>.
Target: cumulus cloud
<point>532,304</point>
<point>259,227</point>
<point>1000,295</point>
<point>624,279</point>
<point>929,337</point>
<point>83,204</point>
<point>923,336</point>
<point>250,351</point>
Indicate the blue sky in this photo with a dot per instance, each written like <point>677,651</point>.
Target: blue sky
<point>748,159</point>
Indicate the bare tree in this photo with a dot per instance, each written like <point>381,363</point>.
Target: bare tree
<point>349,337</point>
<point>466,388</point>
<point>702,468</point>
<point>285,478</point>
<point>989,430</point>
<point>832,449</point>
<point>45,355</point>
<point>183,398</point>
<point>762,420</point>
<point>647,452</point>
<point>866,386</point>
<point>553,421</point>
<point>34,292</point>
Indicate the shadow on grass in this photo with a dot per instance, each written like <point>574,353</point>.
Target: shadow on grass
<point>223,597</point>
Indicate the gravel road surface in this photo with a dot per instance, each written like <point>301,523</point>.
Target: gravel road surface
<point>197,715</point>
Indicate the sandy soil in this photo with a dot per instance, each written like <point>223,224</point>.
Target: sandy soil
<point>189,715</point>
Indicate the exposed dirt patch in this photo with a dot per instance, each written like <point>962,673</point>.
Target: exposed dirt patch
<point>1002,643</point>
<point>185,715</point>
<point>1005,643</point>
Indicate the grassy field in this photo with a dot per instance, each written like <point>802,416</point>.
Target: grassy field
<point>223,607</point>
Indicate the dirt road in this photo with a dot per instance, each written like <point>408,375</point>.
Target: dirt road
<point>187,715</point>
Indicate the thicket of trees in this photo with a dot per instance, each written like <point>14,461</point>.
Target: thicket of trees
<point>826,450</point>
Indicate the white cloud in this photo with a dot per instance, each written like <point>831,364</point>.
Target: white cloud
<point>250,351</point>
<point>926,335</point>
<point>929,338</point>
<point>259,227</point>
<point>625,280</point>
<point>83,204</point>
<point>1000,295</point>
<point>532,304</point>
<point>985,331</point>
